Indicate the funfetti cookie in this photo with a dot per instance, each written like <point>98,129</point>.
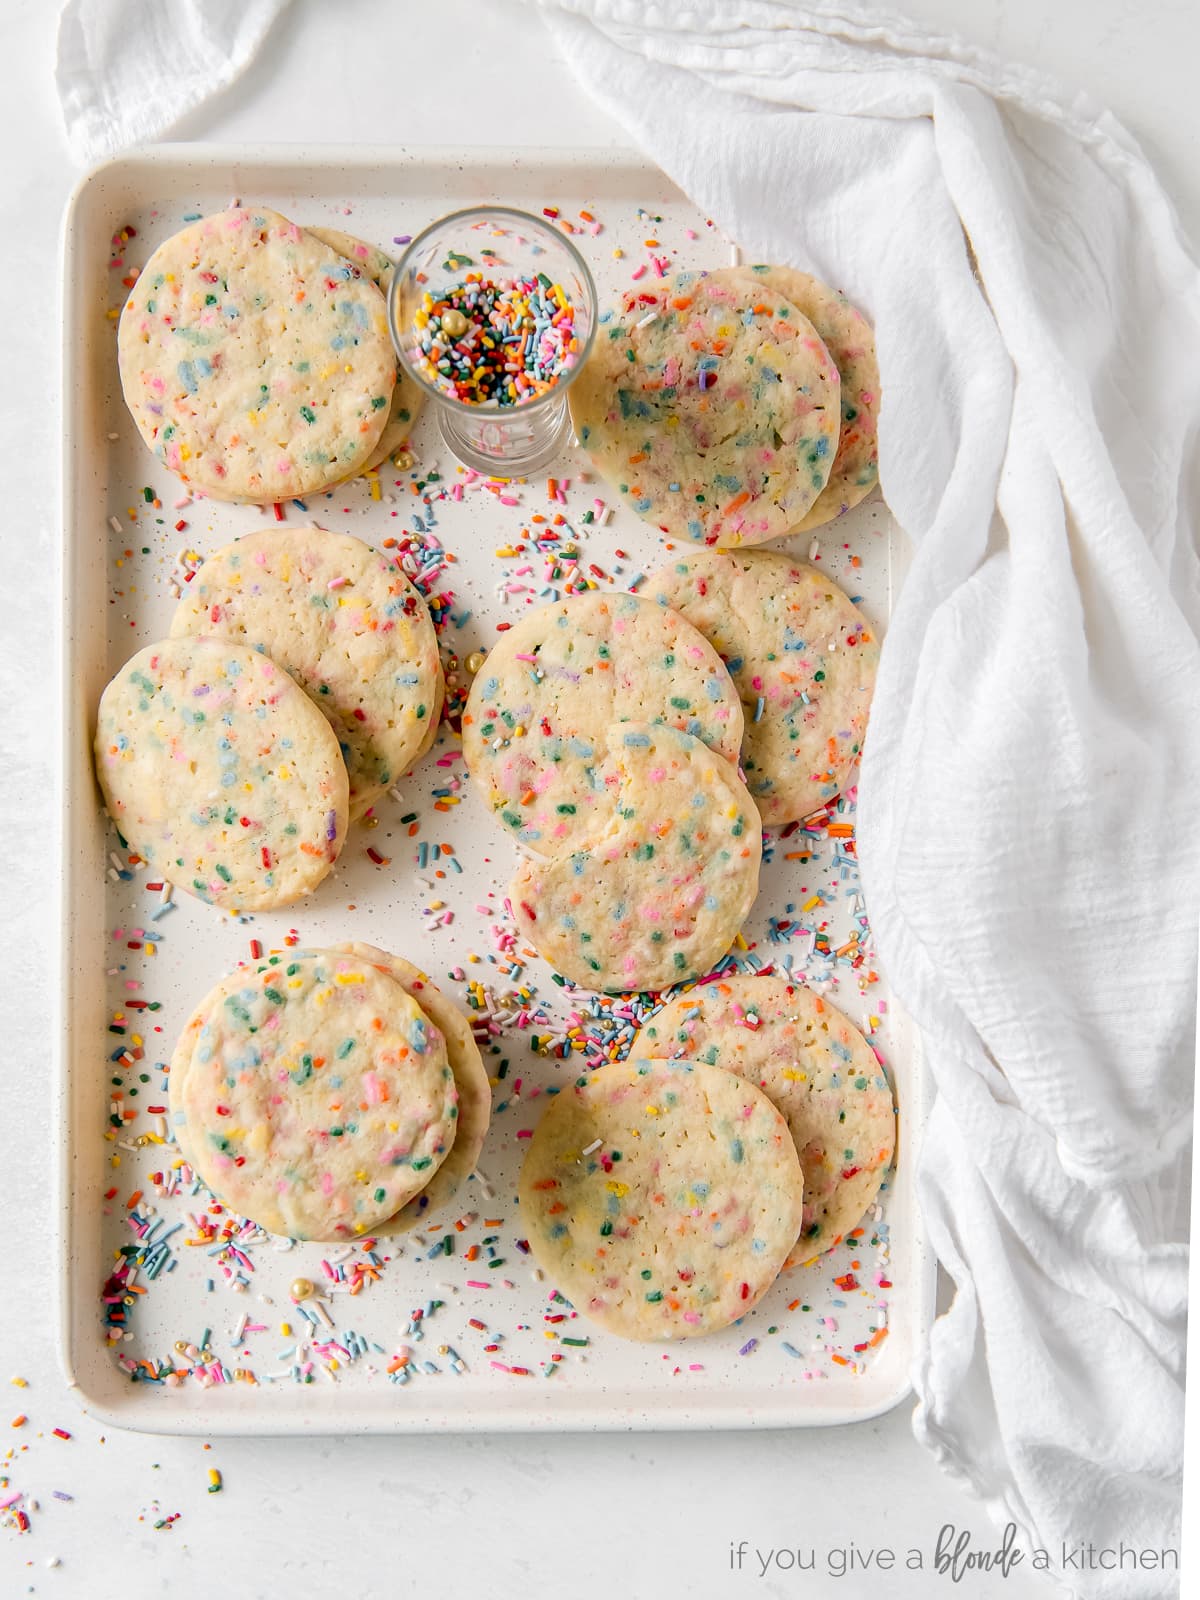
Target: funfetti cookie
<point>347,625</point>
<point>255,360</point>
<point>850,340</point>
<point>474,1112</point>
<point>661,1197</point>
<point>657,888</point>
<point>407,396</point>
<point>313,1094</point>
<point>804,660</point>
<point>221,773</point>
<point>537,716</point>
<point>711,403</point>
<point>811,1062</point>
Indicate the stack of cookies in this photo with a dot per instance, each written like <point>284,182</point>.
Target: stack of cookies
<point>327,1094</point>
<point>256,360</point>
<point>733,407</point>
<point>749,1130</point>
<point>301,680</point>
<point>605,731</point>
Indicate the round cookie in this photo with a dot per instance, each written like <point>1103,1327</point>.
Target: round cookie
<point>470,1079</point>
<point>661,1198</point>
<point>255,360</point>
<point>347,625</point>
<point>712,403</point>
<point>312,1094</point>
<point>850,340</point>
<point>658,889</point>
<point>811,1062</point>
<point>803,658</point>
<point>539,709</point>
<point>407,397</point>
<point>221,773</point>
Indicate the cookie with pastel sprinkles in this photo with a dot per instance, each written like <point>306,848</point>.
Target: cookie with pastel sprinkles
<point>661,1197</point>
<point>657,888</point>
<point>407,396</point>
<point>811,1062</point>
<point>346,624</point>
<point>804,660</point>
<point>221,773</point>
<point>470,1079</point>
<point>313,1095</point>
<point>850,340</point>
<point>256,360</point>
<point>536,719</point>
<point>712,404</point>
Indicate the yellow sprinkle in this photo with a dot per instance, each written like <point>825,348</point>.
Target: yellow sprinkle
<point>619,1189</point>
<point>348,977</point>
<point>812,904</point>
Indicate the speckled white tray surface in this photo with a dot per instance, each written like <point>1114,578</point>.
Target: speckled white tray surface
<point>210,1341</point>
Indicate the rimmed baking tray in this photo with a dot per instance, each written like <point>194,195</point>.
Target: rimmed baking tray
<point>486,1344</point>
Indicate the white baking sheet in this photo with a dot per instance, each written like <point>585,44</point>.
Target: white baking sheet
<point>488,1343</point>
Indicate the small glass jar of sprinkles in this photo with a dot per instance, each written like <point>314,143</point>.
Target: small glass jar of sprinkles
<point>492,312</point>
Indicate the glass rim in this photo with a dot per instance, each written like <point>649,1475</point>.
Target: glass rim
<point>558,389</point>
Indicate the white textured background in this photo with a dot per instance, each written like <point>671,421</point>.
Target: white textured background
<point>497,1518</point>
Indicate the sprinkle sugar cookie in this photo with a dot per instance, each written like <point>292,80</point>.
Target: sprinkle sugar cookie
<point>221,773</point>
<point>347,625</point>
<point>803,658</point>
<point>711,402</point>
<point>661,1198</point>
<point>314,1094</point>
<point>657,891</point>
<point>850,340</point>
<point>406,396</point>
<point>255,360</point>
<point>539,709</point>
<point>470,1080</point>
<point>811,1062</point>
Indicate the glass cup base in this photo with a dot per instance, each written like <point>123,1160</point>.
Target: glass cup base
<point>503,444</point>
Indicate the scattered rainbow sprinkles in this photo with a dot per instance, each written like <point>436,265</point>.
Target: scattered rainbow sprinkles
<point>494,341</point>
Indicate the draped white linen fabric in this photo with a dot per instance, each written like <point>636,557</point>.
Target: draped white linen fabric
<point>1028,802</point>
<point>126,70</point>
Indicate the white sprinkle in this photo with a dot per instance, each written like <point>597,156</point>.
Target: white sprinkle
<point>115,525</point>
<point>595,1145</point>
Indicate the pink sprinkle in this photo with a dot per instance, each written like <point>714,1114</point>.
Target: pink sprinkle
<point>640,273</point>
<point>473,1284</point>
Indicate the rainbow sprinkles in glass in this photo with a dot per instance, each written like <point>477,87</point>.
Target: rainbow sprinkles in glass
<point>492,313</point>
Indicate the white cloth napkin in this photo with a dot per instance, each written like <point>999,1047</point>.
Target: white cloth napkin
<point>127,70</point>
<point>1028,803</point>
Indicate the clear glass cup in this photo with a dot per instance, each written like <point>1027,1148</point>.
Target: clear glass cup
<point>505,441</point>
